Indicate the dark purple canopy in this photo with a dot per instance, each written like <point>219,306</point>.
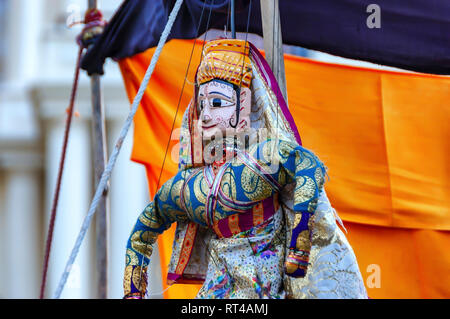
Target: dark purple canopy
<point>413,34</point>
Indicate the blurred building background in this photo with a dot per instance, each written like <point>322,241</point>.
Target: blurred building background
<point>37,60</point>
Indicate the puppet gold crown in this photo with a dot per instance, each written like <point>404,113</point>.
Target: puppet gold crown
<point>227,60</point>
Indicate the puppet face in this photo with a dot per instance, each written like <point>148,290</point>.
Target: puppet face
<point>217,109</point>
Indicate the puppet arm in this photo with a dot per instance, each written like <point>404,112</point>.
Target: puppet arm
<point>153,221</point>
<point>308,173</point>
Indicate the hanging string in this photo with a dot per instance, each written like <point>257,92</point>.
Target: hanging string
<point>246,234</point>
<point>235,147</point>
<point>112,160</point>
<point>228,19</point>
<point>173,123</point>
<point>206,245</point>
<point>206,31</point>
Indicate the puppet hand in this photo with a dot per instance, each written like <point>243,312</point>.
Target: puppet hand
<point>296,263</point>
<point>135,295</point>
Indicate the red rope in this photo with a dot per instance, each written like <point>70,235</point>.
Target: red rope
<point>60,172</point>
<point>94,25</point>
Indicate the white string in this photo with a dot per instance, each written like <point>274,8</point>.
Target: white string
<point>148,294</point>
<point>112,160</point>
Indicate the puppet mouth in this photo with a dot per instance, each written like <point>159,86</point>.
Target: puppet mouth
<point>207,127</point>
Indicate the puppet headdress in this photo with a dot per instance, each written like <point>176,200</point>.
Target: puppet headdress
<point>227,60</point>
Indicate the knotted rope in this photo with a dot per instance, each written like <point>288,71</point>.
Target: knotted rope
<point>93,27</point>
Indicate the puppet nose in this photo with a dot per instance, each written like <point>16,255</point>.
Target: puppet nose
<point>206,117</point>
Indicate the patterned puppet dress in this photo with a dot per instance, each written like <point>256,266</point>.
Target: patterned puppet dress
<point>240,202</point>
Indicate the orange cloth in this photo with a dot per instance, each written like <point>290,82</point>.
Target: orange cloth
<point>384,137</point>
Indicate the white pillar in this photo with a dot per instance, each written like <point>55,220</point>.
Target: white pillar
<point>128,196</point>
<point>24,35</point>
<point>22,252</point>
<point>75,196</point>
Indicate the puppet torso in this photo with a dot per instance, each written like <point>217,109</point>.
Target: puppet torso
<point>247,186</point>
<point>243,204</point>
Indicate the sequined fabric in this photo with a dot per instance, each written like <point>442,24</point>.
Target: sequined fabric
<point>240,182</point>
<point>333,271</point>
<point>247,265</point>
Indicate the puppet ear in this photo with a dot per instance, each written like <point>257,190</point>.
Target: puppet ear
<point>244,114</point>
<point>246,101</point>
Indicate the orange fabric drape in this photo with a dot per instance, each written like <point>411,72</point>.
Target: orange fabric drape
<point>384,137</point>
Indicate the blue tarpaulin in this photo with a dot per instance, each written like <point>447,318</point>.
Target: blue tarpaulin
<point>408,34</point>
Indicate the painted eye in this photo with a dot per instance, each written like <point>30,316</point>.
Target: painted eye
<point>202,104</point>
<point>217,102</point>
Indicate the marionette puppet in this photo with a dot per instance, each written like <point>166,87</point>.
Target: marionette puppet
<point>253,218</point>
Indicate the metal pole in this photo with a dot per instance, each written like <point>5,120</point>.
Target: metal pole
<point>92,4</point>
<point>100,159</point>
<point>233,16</point>
<point>273,42</point>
